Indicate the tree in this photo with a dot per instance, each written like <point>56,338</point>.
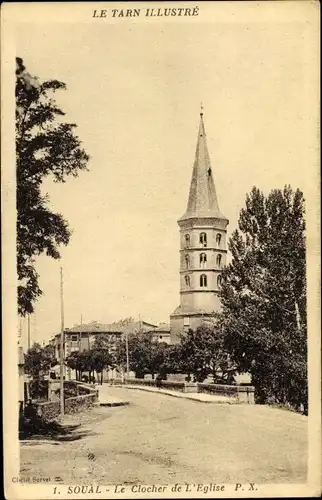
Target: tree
<point>161,360</point>
<point>95,359</point>
<point>173,359</point>
<point>101,356</point>
<point>263,296</point>
<point>76,362</point>
<point>46,146</point>
<point>140,354</point>
<point>203,353</point>
<point>38,361</point>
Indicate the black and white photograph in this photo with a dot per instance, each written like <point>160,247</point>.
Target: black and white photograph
<point>160,249</point>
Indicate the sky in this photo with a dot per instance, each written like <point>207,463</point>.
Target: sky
<point>134,90</point>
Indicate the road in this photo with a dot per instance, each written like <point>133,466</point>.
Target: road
<point>162,439</point>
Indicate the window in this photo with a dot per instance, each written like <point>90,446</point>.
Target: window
<point>160,337</point>
<point>203,259</point>
<point>187,261</point>
<point>203,239</point>
<point>74,338</point>
<point>187,280</point>
<point>186,321</point>
<point>219,280</point>
<point>218,239</point>
<point>203,280</point>
<point>187,238</point>
<point>218,260</point>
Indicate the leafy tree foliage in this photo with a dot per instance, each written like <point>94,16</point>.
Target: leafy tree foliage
<point>203,353</point>
<point>101,356</point>
<point>147,356</point>
<point>174,361</point>
<point>165,359</point>
<point>96,359</point>
<point>199,353</point>
<point>46,146</point>
<point>263,295</point>
<point>39,360</point>
<point>78,361</point>
<point>140,354</point>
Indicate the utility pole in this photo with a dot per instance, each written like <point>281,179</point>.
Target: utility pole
<point>28,332</point>
<point>127,355</point>
<point>80,335</point>
<point>62,409</point>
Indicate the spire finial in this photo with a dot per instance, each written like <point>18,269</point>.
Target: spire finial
<point>201,109</point>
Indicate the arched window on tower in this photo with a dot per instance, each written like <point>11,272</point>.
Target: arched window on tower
<point>187,261</point>
<point>187,240</point>
<point>218,260</point>
<point>203,260</point>
<point>218,239</point>
<point>203,239</point>
<point>187,280</point>
<point>219,281</point>
<point>203,280</point>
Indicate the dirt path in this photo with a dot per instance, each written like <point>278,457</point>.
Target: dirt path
<point>159,439</point>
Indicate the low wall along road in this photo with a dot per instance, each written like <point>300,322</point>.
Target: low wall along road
<point>49,410</point>
<point>242,394</point>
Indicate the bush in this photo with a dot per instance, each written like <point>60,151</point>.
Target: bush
<point>38,389</point>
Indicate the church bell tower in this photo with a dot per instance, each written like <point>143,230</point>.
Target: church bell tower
<point>202,246</point>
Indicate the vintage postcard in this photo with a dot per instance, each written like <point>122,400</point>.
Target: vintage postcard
<point>160,249</point>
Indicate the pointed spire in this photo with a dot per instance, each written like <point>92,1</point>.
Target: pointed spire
<point>202,201</point>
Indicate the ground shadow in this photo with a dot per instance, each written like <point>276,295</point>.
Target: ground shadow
<point>34,427</point>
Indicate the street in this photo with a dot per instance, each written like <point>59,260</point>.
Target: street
<point>162,439</point>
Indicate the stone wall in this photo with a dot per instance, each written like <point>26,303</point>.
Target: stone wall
<point>79,403</point>
<point>50,410</point>
<point>164,384</point>
<point>244,394</point>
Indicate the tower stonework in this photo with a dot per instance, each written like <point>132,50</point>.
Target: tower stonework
<point>202,247</point>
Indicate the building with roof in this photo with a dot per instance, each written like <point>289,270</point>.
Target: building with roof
<point>202,246</point>
<point>82,337</point>
<point>160,334</point>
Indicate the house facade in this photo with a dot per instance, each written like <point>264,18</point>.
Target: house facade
<point>82,337</point>
<point>161,333</point>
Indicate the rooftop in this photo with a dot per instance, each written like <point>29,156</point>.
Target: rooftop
<point>202,201</point>
<point>123,326</point>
